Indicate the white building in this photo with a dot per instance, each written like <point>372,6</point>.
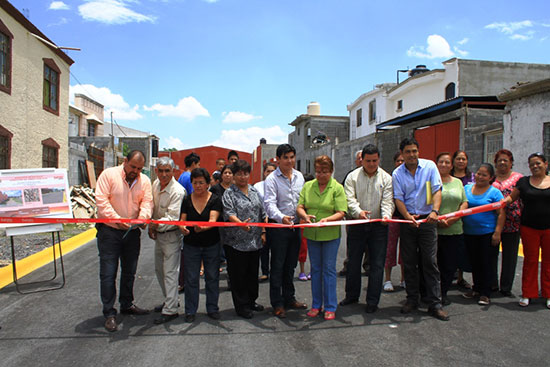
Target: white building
<point>526,122</point>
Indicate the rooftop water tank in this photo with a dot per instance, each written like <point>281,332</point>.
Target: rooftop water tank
<point>314,108</point>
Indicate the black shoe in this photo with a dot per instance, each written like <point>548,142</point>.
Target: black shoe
<point>445,301</point>
<point>160,307</point>
<point>348,301</point>
<point>409,307</point>
<point>135,310</point>
<point>506,293</point>
<point>247,314</point>
<point>371,308</point>
<point>189,317</point>
<point>257,307</point>
<point>165,318</point>
<point>214,315</point>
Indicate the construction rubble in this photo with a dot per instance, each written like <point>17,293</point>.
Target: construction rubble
<point>83,202</point>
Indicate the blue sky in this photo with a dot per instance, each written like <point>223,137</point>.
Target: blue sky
<point>228,72</point>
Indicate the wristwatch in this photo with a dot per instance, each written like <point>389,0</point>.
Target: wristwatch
<point>435,211</point>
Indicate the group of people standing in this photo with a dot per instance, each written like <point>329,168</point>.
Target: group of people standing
<point>432,249</point>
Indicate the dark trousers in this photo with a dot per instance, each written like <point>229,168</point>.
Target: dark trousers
<point>210,256</point>
<point>181,279</point>
<point>510,245</point>
<point>447,258</point>
<point>264,255</point>
<point>242,267</point>
<point>285,245</point>
<point>112,249</point>
<point>346,260</point>
<point>373,239</point>
<point>415,242</point>
<point>482,256</point>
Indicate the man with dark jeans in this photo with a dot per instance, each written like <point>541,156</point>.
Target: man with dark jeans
<point>121,192</point>
<point>282,191</point>
<point>369,194</point>
<point>417,193</point>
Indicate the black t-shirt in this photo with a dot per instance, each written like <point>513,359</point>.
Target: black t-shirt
<point>218,189</point>
<point>536,204</point>
<point>206,238</point>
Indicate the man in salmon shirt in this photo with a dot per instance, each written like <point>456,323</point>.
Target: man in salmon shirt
<point>121,192</point>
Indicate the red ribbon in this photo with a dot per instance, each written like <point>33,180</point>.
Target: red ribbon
<point>41,220</point>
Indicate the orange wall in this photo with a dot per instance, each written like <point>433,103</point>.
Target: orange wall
<point>208,155</point>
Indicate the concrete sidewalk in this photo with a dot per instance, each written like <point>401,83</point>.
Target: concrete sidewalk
<point>65,328</point>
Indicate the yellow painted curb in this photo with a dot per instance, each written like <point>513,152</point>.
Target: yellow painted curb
<point>35,261</point>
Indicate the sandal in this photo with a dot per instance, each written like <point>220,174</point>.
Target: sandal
<point>330,315</point>
<point>302,277</point>
<point>314,312</point>
<point>388,287</point>
<point>524,302</point>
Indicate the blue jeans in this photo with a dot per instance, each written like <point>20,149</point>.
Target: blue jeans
<point>322,258</point>
<point>112,249</point>
<point>285,245</point>
<point>374,238</point>
<point>210,256</point>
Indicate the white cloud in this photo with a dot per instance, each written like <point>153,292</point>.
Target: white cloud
<point>460,52</point>
<point>463,41</point>
<point>523,37</point>
<point>112,102</point>
<point>187,108</point>
<point>111,12</point>
<point>509,27</point>
<point>247,140</point>
<point>512,28</point>
<point>172,142</point>
<point>58,5</point>
<point>238,117</point>
<point>61,21</point>
<point>438,47</point>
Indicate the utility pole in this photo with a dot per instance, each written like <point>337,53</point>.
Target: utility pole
<point>113,140</point>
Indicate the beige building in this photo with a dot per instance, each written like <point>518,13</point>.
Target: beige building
<point>34,95</point>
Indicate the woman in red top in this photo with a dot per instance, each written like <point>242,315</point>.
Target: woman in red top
<point>505,181</point>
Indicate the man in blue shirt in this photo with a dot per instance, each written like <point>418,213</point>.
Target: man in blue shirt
<point>192,161</point>
<point>282,191</point>
<point>417,194</point>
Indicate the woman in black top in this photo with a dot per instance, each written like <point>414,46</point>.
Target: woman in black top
<point>534,192</point>
<point>218,189</point>
<point>201,244</point>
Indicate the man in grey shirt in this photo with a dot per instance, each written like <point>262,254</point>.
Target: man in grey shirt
<point>282,191</point>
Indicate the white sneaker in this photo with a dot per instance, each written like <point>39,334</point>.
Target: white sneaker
<point>548,303</point>
<point>524,302</point>
<point>402,284</point>
<point>388,287</point>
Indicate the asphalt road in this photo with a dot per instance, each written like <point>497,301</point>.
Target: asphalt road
<point>65,328</point>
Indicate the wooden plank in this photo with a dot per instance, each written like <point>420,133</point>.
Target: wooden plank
<point>91,173</point>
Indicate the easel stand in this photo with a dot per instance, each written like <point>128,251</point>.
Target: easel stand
<point>53,228</point>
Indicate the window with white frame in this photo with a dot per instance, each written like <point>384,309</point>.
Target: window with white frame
<point>372,111</point>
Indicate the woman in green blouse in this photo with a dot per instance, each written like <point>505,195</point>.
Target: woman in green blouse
<point>323,200</point>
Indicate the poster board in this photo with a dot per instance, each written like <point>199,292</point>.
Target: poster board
<point>41,192</point>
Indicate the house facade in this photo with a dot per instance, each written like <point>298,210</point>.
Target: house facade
<point>34,95</point>
<point>526,122</point>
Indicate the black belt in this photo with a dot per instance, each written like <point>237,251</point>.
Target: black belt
<point>422,216</point>
<point>170,230</point>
